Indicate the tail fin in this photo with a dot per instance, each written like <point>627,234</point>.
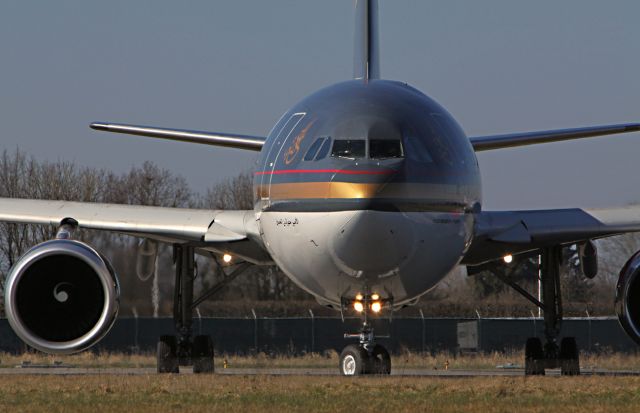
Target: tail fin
<point>366,52</point>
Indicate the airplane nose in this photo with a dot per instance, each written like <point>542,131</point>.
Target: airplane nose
<point>373,244</point>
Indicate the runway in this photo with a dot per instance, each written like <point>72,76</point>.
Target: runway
<point>400,372</point>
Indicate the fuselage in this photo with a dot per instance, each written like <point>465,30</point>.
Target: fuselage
<point>367,187</point>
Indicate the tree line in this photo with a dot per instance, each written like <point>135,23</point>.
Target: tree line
<point>265,289</point>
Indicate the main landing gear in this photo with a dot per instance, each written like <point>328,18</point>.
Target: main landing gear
<point>366,357</point>
<point>183,349</point>
<point>539,357</point>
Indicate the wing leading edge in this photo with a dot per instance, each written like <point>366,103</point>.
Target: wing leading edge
<point>486,143</point>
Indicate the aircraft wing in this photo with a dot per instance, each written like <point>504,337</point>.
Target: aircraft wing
<point>253,143</point>
<point>499,233</point>
<point>175,225</point>
<point>486,143</point>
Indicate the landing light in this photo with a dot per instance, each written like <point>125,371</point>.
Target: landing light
<point>375,297</point>
<point>508,259</point>
<point>358,306</point>
<point>376,306</point>
<point>226,258</point>
<point>359,297</point>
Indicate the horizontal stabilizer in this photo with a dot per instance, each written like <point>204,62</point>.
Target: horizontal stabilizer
<point>486,143</point>
<point>253,143</point>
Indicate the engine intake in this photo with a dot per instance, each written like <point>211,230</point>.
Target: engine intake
<point>62,296</point>
<point>628,297</point>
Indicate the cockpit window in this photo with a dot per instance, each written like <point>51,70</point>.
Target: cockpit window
<point>417,150</point>
<point>322,153</point>
<point>347,148</point>
<point>385,148</point>
<point>313,150</point>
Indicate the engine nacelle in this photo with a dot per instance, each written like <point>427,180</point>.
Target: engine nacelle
<point>62,296</point>
<point>628,297</point>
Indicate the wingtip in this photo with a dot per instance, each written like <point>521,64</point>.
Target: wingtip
<point>99,126</point>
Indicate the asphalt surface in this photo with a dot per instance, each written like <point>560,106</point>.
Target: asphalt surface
<point>506,372</point>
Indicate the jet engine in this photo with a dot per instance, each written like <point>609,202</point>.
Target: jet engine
<point>628,297</point>
<point>62,296</point>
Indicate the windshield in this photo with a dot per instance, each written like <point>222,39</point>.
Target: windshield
<point>347,148</point>
<point>385,148</point>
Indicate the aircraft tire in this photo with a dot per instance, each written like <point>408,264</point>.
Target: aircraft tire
<point>380,362</point>
<point>202,355</point>
<point>533,357</point>
<point>167,357</point>
<point>353,360</point>
<point>569,357</point>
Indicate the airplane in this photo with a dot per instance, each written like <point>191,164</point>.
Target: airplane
<point>367,194</point>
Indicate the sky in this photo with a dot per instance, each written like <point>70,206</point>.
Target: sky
<point>235,66</point>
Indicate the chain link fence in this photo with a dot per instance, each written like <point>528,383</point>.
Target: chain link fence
<point>295,336</point>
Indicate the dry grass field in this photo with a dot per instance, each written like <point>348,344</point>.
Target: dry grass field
<point>263,393</point>
<point>221,393</point>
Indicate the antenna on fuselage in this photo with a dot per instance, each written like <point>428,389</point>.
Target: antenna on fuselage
<point>366,51</point>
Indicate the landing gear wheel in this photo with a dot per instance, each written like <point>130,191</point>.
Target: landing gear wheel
<point>167,356</point>
<point>533,358</point>
<point>353,360</point>
<point>202,354</point>
<point>380,361</point>
<point>569,357</point>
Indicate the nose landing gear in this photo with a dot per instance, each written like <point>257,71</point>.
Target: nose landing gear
<point>366,357</point>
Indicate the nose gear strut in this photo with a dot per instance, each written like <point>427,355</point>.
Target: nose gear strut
<point>366,357</point>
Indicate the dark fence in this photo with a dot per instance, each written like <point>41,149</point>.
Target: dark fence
<point>318,334</point>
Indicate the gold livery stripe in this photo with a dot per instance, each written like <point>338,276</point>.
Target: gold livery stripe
<point>349,190</point>
<point>310,190</point>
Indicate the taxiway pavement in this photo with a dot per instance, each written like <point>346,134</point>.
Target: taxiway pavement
<point>79,371</point>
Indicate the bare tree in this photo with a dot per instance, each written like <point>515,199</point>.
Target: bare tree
<point>148,185</point>
<point>233,193</point>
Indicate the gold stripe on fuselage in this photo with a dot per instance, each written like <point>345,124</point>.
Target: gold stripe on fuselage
<point>310,190</point>
<point>350,190</point>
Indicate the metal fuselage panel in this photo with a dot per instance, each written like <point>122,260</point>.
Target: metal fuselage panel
<point>367,187</point>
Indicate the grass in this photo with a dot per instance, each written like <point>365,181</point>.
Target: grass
<point>408,360</point>
<point>189,393</point>
<point>84,359</point>
<point>262,393</point>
